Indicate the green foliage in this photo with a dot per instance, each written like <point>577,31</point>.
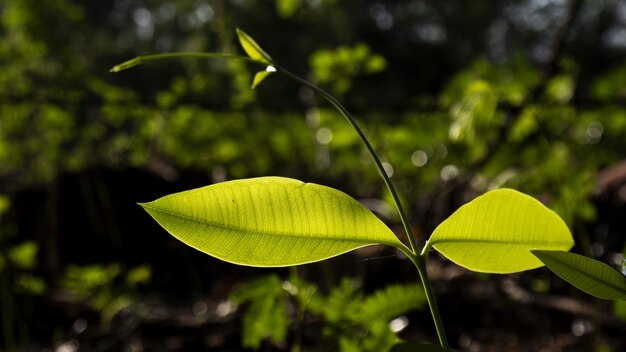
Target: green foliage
<point>495,232</point>
<point>351,321</point>
<point>588,275</point>
<point>341,65</point>
<point>287,8</point>
<point>247,221</point>
<point>270,221</point>
<point>391,302</point>
<point>62,113</point>
<point>108,289</point>
<point>266,315</point>
<point>361,323</point>
<point>24,255</point>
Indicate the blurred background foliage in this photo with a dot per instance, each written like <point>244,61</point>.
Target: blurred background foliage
<point>459,97</point>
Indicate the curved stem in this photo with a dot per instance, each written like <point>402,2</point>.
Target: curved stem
<point>418,259</point>
<point>334,102</point>
<point>141,59</point>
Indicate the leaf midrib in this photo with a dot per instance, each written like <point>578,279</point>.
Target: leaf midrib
<point>275,234</point>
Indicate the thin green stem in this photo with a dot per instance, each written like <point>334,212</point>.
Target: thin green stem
<point>334,102</point>
<point>418,260</point>
<point>420,264</point>
<point>142,59</point>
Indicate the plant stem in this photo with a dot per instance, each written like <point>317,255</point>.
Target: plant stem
<point>141,59</point>
<point>381,170</point>
<point>418,259</point>
<point>420,264</point>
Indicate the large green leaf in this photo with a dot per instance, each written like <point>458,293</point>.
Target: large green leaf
<point>588,275</point>
<point>269,221</point>
<point>495,232</point>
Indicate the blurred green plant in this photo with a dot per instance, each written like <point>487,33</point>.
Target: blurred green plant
<point>107,289</point>
<point>340,66</point>
<point>263,221</point>
<point>351,321</point>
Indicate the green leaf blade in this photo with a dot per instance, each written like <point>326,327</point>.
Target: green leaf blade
<point>495,232</point>
<point>253,49</point>
<point>269,221</point>
<point>586,274</point>
<point>259,77</point>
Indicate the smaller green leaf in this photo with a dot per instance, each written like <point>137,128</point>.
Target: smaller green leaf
<point>261,75</point>
<point>495,232</point>
<point>588,275</point>
<point>416,347</point>
<point>252,48</point>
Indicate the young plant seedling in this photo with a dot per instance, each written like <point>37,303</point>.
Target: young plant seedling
<point>277,221</point>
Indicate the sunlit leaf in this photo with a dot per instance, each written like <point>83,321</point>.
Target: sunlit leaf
<point>416,347</point>
<point>269,221</point>
<point>587,274</point>
<point>495,232</point>
<point>260,76</point>
<point>252,48</point>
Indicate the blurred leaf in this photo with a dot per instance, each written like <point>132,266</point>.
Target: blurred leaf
<point>477,107</point>
<point>5,202</point>
<point>587,274</point>
<point>286,8</point>
<point>495,232</point>
<point>266,316</point>
<point>24,255</point>
<point>252,48</point>
<point>269,221</point>
<point>83,280</point>
<point>139,275</point>
<point>561,88</point>
<point>30,284</point>
<point>392,301</point>
<point>341,65</point>
<point>619,308</point>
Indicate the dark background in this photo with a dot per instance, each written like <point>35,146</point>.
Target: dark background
<point>459,97</point>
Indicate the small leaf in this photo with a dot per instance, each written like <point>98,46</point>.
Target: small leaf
<point>587,274</point>
<point>252,48</point>
<point>260,76</point>
<point>495,232</point>
<point>416,347</point>
<point>269,221</point>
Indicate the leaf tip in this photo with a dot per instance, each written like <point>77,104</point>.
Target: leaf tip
<point>127,64</point>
